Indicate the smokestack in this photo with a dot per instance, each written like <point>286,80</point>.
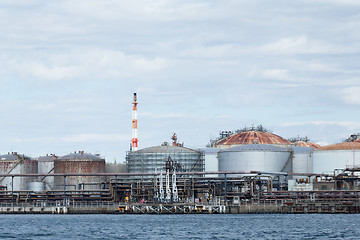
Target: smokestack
<point>174,138</point>
<point>134,140</point>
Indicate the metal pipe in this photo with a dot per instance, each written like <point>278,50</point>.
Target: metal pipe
<point>64,190</point>
<point>12,189</point>
<point>225,190</point>
<point>153,174</point>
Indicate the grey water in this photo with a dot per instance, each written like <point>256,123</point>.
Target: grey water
<point>291,226</point>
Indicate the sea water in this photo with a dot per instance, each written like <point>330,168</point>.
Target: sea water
<point>222,226</point>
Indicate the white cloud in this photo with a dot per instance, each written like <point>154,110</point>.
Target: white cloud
<point>69,67</point>
<point>302,45</point>
<point>82,63</point>
<point>339,2</point>
<point>277,74</point>
<point>351,95</point>
<point>95,137</point>
<point>167,115</point>
<point>351,125</point>
<point>76,138</point>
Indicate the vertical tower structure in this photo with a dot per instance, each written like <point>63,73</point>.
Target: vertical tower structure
<point>134,140</point>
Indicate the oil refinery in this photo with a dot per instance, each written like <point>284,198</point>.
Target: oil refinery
<point>250,170</point>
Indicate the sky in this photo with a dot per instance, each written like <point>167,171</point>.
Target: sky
<point>68,71</point>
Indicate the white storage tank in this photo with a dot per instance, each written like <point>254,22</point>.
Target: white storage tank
<point>255,157</point>
<point>302,159</point>
<point>46,166</point>
<point>211,160</point>
<point>336,156</point>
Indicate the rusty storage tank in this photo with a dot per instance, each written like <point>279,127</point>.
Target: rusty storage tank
<point>255,157</point>
<point>79,162</point>
<point>46,166</point>
<point>14,163</point>
<point>257,135</point>
<point>153,159</point>
<point>336,156</point>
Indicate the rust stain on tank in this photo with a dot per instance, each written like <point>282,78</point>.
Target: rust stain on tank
<point>251,137</point>
<point>342,146</point>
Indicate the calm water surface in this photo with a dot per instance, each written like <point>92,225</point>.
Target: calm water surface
<point>180,226</point>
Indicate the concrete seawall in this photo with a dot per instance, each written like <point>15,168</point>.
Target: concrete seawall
<point>286,208</point>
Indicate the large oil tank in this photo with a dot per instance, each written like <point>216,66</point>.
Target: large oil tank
<point>336,156</point>
<point>301,159</point>
<point>153,159</point>
<point>255,157</point>
<point>79,162</point>
<point>211,159</point>
<point>46,166</point>
<point>14,163</point>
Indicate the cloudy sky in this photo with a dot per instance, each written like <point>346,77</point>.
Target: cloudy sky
<point>68,70</point>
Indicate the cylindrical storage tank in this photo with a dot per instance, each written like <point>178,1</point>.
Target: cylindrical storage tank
<point>37,186</point>
<point>14,163</point>
<point>79,163</point>
<point>336,156</point>
<point>301,160</point>
<point>46,166</point>
<point>211,160</point>
<point>255,157</point>
<point>153,159</point>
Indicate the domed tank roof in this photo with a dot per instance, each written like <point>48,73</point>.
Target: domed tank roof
<point>256,148</point>
<point>48,158</point>
<point>250,137</point>
<point>301,149</point>
<point>14,156</point>
<point>341,146</point>
<point>166,149</point>
<point>306,144</point>
<point>80,156</point>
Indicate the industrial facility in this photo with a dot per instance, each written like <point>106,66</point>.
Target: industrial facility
<point>237,172</point>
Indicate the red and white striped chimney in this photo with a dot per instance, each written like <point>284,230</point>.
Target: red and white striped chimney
<point>134,140</point>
